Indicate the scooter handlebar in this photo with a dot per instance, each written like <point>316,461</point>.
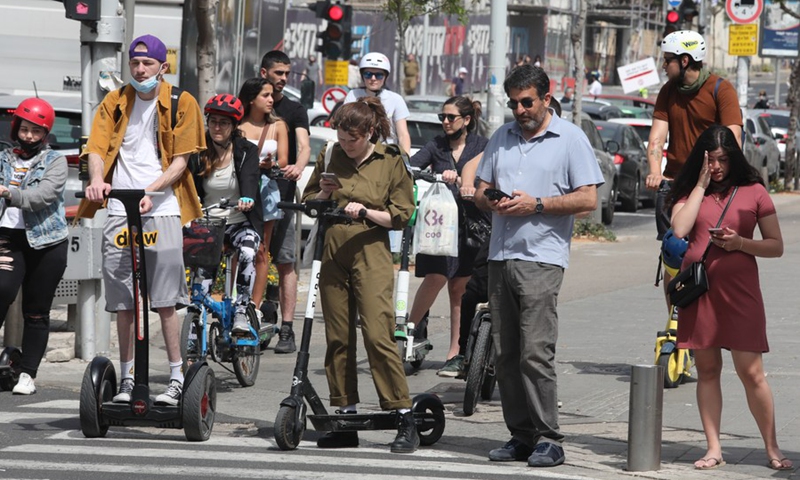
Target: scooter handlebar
<point>118,193</point>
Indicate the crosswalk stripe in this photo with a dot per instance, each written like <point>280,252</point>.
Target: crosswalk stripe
<point>329,462</point>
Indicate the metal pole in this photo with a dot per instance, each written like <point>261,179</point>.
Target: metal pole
<point>497,63</point>
<point>423,56</point>
<point>742,79</point>
<point>130,9</point>
<point>13,332</point>
<point>644,418</point>
<point>777,98</point>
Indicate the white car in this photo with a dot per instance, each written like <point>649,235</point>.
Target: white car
<point>316,115</point>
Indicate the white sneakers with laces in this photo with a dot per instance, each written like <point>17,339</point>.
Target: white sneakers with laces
<point>173,394</point>
<point>125,389</point>
<point>24,385</point>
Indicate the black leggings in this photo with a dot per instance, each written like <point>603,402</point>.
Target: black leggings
<point>38,273</point>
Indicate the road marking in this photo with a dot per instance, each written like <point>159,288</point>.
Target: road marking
<point>60,404</point>
<point>329,462</point>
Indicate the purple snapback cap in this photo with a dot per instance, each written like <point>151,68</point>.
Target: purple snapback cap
<point>155,48</point>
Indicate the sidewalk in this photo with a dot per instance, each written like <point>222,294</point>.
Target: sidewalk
<point>609,314</point>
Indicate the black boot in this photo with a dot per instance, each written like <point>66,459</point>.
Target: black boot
<point>407,439</point>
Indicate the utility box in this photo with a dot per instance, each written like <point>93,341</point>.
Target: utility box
<point>84,255</point>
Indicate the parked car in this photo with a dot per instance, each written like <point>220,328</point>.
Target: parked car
<point>642,127</point>
<point>607,193</point>
<point>630,160</point>
<point>596,111</point>
<point>65,136</point>
<point>778,121</point>
<point>767,152</point>
<point>316,115</point>
<point>425,103</point>
<point>625,100</point>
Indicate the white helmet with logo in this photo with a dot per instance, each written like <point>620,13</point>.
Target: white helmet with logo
<point>375,60</point>
<point>685,42</point>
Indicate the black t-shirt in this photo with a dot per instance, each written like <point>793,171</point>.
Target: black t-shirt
<point>295,116</point>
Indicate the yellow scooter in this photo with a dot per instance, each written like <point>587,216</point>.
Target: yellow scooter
<point>677,362</point>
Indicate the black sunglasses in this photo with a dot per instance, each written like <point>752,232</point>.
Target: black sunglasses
<point>369,75</point>
<point>526,103</point>
<point>449,116</point>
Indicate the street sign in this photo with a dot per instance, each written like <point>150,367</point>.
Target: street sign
<point>331,97</point>
<point>637,75</point>
<point>743,40</point>
<point>674,3</point>
<point>744,11</point>
<point>336,72</point>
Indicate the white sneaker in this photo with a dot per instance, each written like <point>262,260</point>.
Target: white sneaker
<point>125,390</point>
<point>240,323</point>
<point>25,385</point>
<point>173,394</point>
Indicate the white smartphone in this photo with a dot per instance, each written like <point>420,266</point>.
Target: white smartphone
<point>332,177</point>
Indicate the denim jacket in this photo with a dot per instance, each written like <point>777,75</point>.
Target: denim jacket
<point>40,197</point>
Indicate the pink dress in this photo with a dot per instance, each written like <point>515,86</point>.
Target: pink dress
<point>731,314</point>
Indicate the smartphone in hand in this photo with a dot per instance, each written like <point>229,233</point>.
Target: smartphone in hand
<point>715,231</point>
<point>332,177</point>
<point>495,194</point>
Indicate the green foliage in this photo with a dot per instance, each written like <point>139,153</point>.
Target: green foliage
<point>585,229</point>
<point>777,186</point>
<point>766,67</point>
<point>403,11</point>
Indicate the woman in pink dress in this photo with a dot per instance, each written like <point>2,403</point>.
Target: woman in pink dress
<point>731,314</point>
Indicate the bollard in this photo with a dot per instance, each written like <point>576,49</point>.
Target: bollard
<point>13,324</point>
<point>644,418</point>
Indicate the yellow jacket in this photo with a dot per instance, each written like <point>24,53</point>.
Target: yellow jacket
<point>188,137</point>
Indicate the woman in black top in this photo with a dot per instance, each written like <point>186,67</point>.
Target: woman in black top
<point>447,154</point>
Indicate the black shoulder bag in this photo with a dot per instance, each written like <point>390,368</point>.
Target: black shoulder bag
<point>692,282</point>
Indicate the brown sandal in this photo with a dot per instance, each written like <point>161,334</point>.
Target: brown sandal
<point>780,462</point>
<point>718,462</point>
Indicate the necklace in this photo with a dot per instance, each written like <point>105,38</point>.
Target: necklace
<point>717,198</point>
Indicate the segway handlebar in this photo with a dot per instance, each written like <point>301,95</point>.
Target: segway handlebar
<point>121,193</point>
<point>321,208</point>
<point>428,176</point>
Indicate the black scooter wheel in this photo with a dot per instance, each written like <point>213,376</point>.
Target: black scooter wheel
<point>99,385</point>
<point>199,404</point>
<point>246,360</point>
<point>11,357</point>
<point>430,427</point>
<point>288,432</point>
<point>478,364</point>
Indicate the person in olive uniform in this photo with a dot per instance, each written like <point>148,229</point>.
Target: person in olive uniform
<point>357,268</point>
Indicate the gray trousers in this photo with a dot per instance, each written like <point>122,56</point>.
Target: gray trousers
<point>523,296</point>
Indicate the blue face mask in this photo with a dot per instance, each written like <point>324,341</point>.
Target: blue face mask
<point>147,86</point>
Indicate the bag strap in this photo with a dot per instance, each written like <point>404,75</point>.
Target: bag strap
<point>263,137</point>
<point>733,194</point>
<point>328,152</point>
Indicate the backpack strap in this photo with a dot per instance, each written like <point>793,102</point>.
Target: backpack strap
<point>174,98</point>
<point>716,88</point>
<point>328,152</point>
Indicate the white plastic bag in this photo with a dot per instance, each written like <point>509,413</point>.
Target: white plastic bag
<point>436,230</point>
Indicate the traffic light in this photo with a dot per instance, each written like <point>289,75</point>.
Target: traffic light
<point>673,23</point>
<point>687,10</point>
<point>83,10</point>
<point>333,37</point>
<point>347,24</point>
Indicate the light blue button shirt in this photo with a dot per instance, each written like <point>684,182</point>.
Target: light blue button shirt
<point>551,164</point>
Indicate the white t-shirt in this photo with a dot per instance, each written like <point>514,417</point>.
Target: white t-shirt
<point>221,184</point>
<point>138,165</point>
<point>12,218</point>
<point>394,104</point>
<point>596,88</point>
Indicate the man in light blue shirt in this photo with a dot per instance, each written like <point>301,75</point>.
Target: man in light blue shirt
<point>548,170</point>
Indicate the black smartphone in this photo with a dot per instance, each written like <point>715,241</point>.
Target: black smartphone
<point>715,231</point>
<point>332,177</point>
<point>495,194</point>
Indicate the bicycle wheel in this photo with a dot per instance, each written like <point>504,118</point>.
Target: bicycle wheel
<point>673,376</point>
<point>490,378</point>
<point>191,342</point>
<point>477,367</point>
<point>246,359</point>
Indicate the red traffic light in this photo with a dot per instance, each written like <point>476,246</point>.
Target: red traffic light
<point>673,17</point>
<point>335,13</point>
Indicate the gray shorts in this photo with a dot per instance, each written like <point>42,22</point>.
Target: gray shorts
<point>284,240</point>
<point>166,276</point>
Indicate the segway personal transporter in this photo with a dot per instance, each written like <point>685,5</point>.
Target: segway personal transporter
<point>677,362</point>
<point>290,423</point>
<point>196,410</point>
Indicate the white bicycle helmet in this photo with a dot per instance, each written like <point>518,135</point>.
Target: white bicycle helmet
<point>375,60</point>
<point>685,42</point>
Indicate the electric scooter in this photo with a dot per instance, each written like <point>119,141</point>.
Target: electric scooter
<point>194,413</point>
<point>677,362</point>
<point>10,367</point>
<point>290,423</point>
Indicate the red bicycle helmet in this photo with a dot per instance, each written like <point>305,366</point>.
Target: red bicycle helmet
<point>36,111</point>
<point>227,105</point>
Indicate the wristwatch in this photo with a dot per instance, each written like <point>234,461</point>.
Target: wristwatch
<point>539,205</point>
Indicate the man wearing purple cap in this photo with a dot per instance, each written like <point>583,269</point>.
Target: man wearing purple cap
<point>135,145</point>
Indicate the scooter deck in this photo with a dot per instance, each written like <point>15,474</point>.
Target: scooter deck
<point>367,421</point>
<point>161,416</point>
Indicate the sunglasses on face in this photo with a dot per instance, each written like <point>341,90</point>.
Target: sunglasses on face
<point>668,60</point>
<point>369,75</point>
<point>449,116</point>
<point>526,103</point>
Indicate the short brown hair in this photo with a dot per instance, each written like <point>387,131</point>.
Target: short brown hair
<point>358,117</point>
